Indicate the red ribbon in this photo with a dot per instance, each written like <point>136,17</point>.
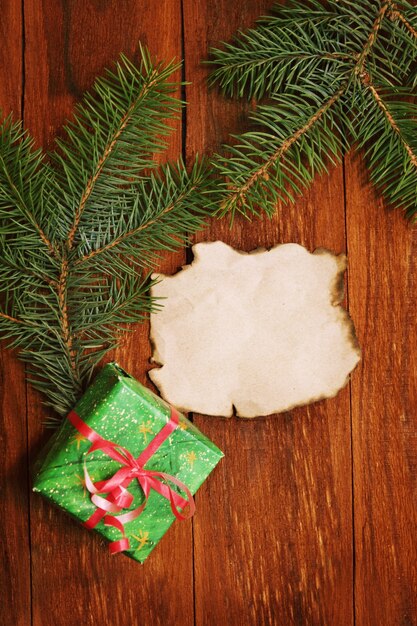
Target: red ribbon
<point>118,497</point>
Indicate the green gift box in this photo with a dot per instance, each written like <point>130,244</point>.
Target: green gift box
<point>129,419</point>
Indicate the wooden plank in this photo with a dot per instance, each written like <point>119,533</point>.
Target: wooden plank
<point>75,580</point>
<point>382,295</point>
<point>273,530</point>
<point>11,58</point>
<point>14,526</point>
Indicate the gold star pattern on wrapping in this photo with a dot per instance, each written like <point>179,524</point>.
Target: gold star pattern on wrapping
<point>182,425</point>
<point>81,481</point>
<point>145,429</point>
<point>143,539</point>
<point>191,457</point>
<point>77,439</point>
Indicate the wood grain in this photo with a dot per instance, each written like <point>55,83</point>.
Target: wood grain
<point>14,520</point>
<point>311,517</point>
<point>382,296</point>
<point>275,521</point>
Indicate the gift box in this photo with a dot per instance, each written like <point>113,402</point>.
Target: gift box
<point>125,463</point>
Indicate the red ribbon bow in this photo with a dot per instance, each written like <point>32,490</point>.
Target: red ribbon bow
<point>118,497</point>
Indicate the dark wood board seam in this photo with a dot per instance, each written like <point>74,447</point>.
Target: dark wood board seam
<point>350,406</point>
<point>28,468</point>
<point>188,252</point>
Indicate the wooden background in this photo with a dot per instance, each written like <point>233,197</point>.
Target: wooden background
<point>311,517</point>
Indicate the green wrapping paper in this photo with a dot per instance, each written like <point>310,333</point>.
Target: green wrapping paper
<point>121,410</point>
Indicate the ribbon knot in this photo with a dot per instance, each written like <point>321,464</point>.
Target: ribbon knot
<point>111,496</point>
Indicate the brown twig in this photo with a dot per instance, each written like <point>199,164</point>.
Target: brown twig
<point>396,14</point>
<point>11,319</point>
<point>64,320</point>
<point>358,69</point>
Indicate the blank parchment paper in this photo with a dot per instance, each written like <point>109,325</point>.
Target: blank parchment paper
<point>257,332</point>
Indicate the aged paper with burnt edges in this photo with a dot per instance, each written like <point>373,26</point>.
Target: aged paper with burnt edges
<point>252,333</point>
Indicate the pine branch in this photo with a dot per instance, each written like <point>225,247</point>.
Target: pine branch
<point>381,104</point>
<point>109,148</point>
<point>388,135</point>
<point>155,211</point>
<point>78,233</point>
<point>371,37</point>
<point>396,14</point>
<point>265,61</point>
<point>22,173</point>
<point>319,58</point>
<point>116,132</point>
<point>249,180</point>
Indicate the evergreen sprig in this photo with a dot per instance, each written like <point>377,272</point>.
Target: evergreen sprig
<point>334,76</point>
<point>81,228</point>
